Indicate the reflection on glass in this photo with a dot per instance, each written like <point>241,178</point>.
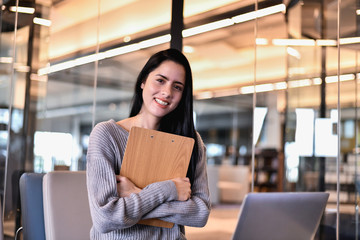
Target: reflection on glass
<point>325,140</point>
<point>259,117</point>
<point>304,135</point>
<point>53,150</point>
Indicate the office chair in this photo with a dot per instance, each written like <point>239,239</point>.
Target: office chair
<point>66,206</point>
<point>31,198</point>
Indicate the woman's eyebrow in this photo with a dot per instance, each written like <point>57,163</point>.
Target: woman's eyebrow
<point>160,75</point>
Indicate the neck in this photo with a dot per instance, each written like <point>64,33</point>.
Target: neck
<point>141,120</point>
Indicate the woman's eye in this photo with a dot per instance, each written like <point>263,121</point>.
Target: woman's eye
<point>160,80</point>
<point>177,87</point>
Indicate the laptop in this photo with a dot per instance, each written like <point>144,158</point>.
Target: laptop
<point>280,216</point>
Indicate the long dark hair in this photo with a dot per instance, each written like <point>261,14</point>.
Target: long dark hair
<point>180,121</point>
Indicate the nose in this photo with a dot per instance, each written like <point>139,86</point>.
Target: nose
<point>166,91</point>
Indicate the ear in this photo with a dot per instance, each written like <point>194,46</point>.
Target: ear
<point>142,85</point>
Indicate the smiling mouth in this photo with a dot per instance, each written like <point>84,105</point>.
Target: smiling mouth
<point>161,102</point>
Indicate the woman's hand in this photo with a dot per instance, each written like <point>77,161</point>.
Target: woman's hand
<point>125,187</point>
<point>183,188</point>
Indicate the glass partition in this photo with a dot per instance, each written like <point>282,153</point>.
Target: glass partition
<point>269,108</point>
<point>222,62</point>
<point>222,59</point>
<point>14,66</point>
<point>93,80</point>
<point>22,53</point>
<point>348,121</point>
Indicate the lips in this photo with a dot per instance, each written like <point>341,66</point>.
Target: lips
<point>161,102</point>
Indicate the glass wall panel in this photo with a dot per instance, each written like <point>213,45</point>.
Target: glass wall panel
<point>14,67</point>
<point>348,160</point>
<point>93,80</point>
<point>222,63</point>
<point>270,82</point>
<point>20,58</point>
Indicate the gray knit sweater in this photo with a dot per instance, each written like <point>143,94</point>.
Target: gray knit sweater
<point>116,218</point>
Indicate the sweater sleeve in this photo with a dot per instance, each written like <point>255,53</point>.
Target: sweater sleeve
<point>195,211</point>
<point>110,212</point>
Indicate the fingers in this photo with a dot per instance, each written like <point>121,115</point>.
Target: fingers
<point>183,188</point>
<point>118,178</point>
<point>182,179</point>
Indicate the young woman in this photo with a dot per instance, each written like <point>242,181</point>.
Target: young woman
<point>162,101</point>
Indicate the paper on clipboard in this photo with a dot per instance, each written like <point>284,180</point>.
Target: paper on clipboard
<point>153,156</point>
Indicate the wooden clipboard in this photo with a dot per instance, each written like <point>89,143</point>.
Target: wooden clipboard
<point>153,156</point>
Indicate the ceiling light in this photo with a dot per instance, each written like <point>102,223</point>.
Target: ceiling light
<point>331,79</point>
<point>293,52</point>
<point>42,21</point>
<point>261,41</point>
<point>350,40</point>
<point>122,50</point>
<point>127,39</point>
<point>317,81</point>
<point>247,89</point>
<point>259,88</point>
<point>347,77</point>
<point>259,13</point>
<point>27,10</point>
<point>293,42</point>
<point>6,59</point>
<point>264,87</point>
<point>357,11</point>
<point>60,66</point>
<point>155,41</point>
<point>326,42</point>
<point>188,49</point>
<point>89,59</point>
<point>344,77</point>
<point>207,27</point>
<point>280,85</point>
<point>107,54</point>
<point>300,83</point>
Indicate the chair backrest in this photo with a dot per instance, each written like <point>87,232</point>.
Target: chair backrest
<point>66,206</point>
<point>31,197</point>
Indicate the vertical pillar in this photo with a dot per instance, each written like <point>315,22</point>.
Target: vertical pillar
<point>177,24</point>
<point>322,111</point>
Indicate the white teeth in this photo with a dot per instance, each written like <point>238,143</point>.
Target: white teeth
<point>161,102</point>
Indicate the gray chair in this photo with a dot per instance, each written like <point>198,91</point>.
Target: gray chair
<point>66,206</point>
<point>31,197</point>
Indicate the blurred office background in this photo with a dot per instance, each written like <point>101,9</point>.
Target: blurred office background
<point>275,86</point>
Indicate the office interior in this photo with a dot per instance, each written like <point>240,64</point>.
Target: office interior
<point>275,89</point>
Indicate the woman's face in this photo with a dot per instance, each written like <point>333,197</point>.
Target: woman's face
<point>163,89</point>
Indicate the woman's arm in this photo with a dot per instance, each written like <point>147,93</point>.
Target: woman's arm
<point>195,211</point>
<point>109,211</point>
